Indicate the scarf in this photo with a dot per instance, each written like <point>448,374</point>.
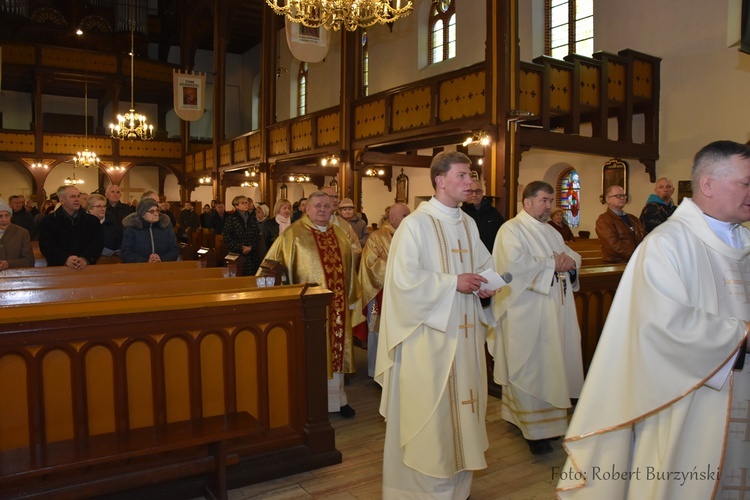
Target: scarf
<point>284,222</point>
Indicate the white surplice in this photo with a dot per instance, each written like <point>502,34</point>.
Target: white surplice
<point>647,425</point>
<point>536,344</point>
<point>431,360</point>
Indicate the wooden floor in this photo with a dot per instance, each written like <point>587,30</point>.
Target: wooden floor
<point>512,472</point>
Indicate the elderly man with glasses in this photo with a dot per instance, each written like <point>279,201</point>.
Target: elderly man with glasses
<point>618,232</point>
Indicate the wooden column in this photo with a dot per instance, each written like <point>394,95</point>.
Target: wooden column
<point>349,67</point>
<point>503,64</point>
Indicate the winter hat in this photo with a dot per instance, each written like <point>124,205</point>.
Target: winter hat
<point>145,205</point>
<point>4,207</point>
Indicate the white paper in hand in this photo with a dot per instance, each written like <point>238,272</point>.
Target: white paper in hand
<point>494,280</point>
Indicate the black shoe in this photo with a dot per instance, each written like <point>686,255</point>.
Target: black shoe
<point>539,446</point>
<point>348,412</point>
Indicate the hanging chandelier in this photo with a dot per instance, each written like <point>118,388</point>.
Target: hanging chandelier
<point>335,14</point>
<point>85,158</point>
<point>132,125</point>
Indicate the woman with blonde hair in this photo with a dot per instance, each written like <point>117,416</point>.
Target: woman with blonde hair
<point>272,227</point>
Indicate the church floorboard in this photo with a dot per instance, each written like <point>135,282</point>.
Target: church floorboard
<point>512,472</point>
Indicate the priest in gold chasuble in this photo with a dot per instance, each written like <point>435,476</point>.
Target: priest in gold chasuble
<point>315,251</point>
<point>431,362</point>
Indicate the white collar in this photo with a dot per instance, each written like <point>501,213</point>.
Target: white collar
<point>726,231</point>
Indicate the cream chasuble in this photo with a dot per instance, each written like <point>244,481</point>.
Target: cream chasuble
<point>431,360</point>
<point>537,342</point>
<point>647,425</point>
<point>312,256</point>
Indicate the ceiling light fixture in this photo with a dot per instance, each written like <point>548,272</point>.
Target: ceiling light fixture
<point>132,125</point>
<point>40,164</point>
<point>337,14</point>
<point>374,172</point>
<point>85,158</point>
<point>332,160</point>
<point>482,138</point>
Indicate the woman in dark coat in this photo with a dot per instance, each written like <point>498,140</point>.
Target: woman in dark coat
<point>272,227</point>
<point>242,234</point>
<point>556,221</point>
<point>148,235</point>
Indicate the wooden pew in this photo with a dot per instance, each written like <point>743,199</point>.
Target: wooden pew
<point>61,293</point>
<point>140,447</point>
<point>155,277</point>
<point>96,269</point>
<point>87,382</point>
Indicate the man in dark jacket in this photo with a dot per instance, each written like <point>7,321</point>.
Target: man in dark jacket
<point>20,217</point>
<point>118,211</point>
<point>69,236</point>
<point>488,219</point>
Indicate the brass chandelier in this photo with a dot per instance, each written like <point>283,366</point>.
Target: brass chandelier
<point>335,14</point>
<point>132,125</point>
<point>85,158</point>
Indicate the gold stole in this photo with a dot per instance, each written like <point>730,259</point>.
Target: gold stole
<point>333,270</point>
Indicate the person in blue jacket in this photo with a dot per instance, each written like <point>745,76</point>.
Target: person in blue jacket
<point>148,235</point>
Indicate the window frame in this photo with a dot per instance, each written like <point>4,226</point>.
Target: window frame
<point>445,23</point>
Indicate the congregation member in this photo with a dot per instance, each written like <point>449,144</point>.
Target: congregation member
<point>205,215</point>
<point>117,209</point>
<point>15,242</point>
<point>339,221</point>
<point>536,345</point>
<point>241,234</point>
<point>487,218</point>
<point>218,217</point>
<point>166,208</point>
<point>347,211</point>
<point>314,250</point>
<point>261,212</point>
<point>371,277</point>
<point>671,363</point>
<point>98,208</point>
<point>20,217</point>
<point>31,207</point>
<point>47,208</point>
<point>70,236</point>
<point>558,223</point>
<point>188,220</point>
<point>274,226</point>
<point>300,210</point>
<point>618,232</point>
<point>148,235</point>
<point>659,205</point>
<point>84,197</point>
<point>431,355</point>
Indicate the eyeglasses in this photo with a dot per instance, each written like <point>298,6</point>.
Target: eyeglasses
<point>477,191</point>
<point>97,206</point>
<point>618,196</point>
<point>153,211</point>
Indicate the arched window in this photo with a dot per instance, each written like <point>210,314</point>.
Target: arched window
<point>569,27</point>
<point>365,76</point>
<point>302,89</point>
<point>569,196</point>
<point>442,29</point>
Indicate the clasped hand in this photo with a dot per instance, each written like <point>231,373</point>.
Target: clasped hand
<point>564,262</point>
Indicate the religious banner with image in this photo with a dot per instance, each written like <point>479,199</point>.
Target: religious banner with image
<point>307,44</point>
<point>189,95</point>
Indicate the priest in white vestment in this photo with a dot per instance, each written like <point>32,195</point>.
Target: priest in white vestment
<point>537,342</point>
<point>665,411</point>
<point>431,360</point>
